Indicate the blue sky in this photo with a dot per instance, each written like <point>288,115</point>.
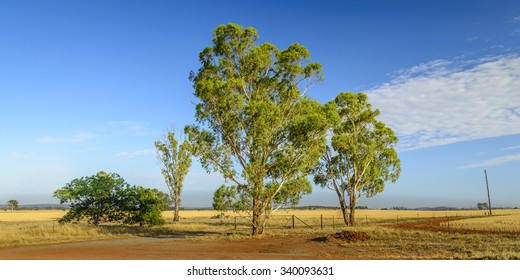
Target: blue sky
<point>90,85</point>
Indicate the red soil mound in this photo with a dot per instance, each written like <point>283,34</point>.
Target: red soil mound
<point>348,236</point>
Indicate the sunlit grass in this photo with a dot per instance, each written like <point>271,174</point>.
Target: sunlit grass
<point>361,214</point>
<point>21,228</point>
<point>31,215</point>
<point>44,232</point>
<point>394,243</point>
<point>503,223</point>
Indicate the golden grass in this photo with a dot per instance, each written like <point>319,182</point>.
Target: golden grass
<point>504,223</point>
<point>45,232</point>
<point>33,227</point>
<point>31,215</point>
<point>330,218</point>
<point>361,215</point>
<point>19,228</point>
<point>392,243</point>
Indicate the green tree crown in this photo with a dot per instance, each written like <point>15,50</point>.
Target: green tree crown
<point>257,127</point>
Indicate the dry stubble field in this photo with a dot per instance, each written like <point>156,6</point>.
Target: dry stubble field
<point>380,234</point>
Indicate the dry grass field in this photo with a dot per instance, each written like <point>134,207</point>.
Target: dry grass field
<point>31,215</point>
<point>502,223</point>
<point>28,227</point>
<point>402,234</point>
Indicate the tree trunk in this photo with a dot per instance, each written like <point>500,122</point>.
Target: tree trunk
<point>352,208</point>
<point>258,218</point>
<point>344,211</point>
<point>176,216</point>
<point>258,225</point>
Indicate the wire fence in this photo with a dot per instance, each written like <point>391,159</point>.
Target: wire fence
<point>243,223</point>
<point>326,222</point>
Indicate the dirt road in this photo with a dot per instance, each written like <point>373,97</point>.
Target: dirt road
<point>178,248</point>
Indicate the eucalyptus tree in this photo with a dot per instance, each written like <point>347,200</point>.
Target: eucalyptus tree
<point>12,204</point>
<point>361,157</point>
<point>175,162</point>
<point>256,126</point>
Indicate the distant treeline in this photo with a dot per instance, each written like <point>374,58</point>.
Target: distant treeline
<point>310,207</point>
<point>38,207</point>
<point>440,208</point>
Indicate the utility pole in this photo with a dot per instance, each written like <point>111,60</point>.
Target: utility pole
<point>487,187</point>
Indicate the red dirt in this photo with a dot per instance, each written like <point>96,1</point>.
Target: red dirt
<point>182,248</point>
<point>146,248</point>
<point>342,236</point>
<point>428,224</point>
<point>435,225</point>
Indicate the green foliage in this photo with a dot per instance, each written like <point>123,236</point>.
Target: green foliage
<point>482,206</point>
<point>230,198</point>
<point>144,206</point>
<point>175,162</point>
<point>257,127</point>
<point>12,204</point>
<point>361,157</point>
<point>106,197</point>
<point>93,198</point>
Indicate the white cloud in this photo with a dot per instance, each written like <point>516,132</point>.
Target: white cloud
<point>76,138</point>
<point>444,102</point>
<point>495,161</point>
<point>14,155</point>
<point>511,148</point>
<point>139,153</point>
<point>130,127</point>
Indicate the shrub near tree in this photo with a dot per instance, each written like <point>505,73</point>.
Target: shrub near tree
<point>106,197</point>
<point>143,206</point>
<point>482,206</point>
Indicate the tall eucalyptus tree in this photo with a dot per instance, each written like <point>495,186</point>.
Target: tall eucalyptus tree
<point>361,157</point>
<point>175,162</point>
<point>256,126</point>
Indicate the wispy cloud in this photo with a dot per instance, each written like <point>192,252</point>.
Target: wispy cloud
<point>444,102</point>
<point>139,153</point>
<point>76,138</point>
<point>131,128</point>
<point>19,155</point>
<point>494,161</point>
<point>511,148</point>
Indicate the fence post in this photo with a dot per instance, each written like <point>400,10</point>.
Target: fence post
<point>321,222</point>
<point>333,225</point>
<point>235,222</point>
<point>366,219</point>
<point>293,221</point>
